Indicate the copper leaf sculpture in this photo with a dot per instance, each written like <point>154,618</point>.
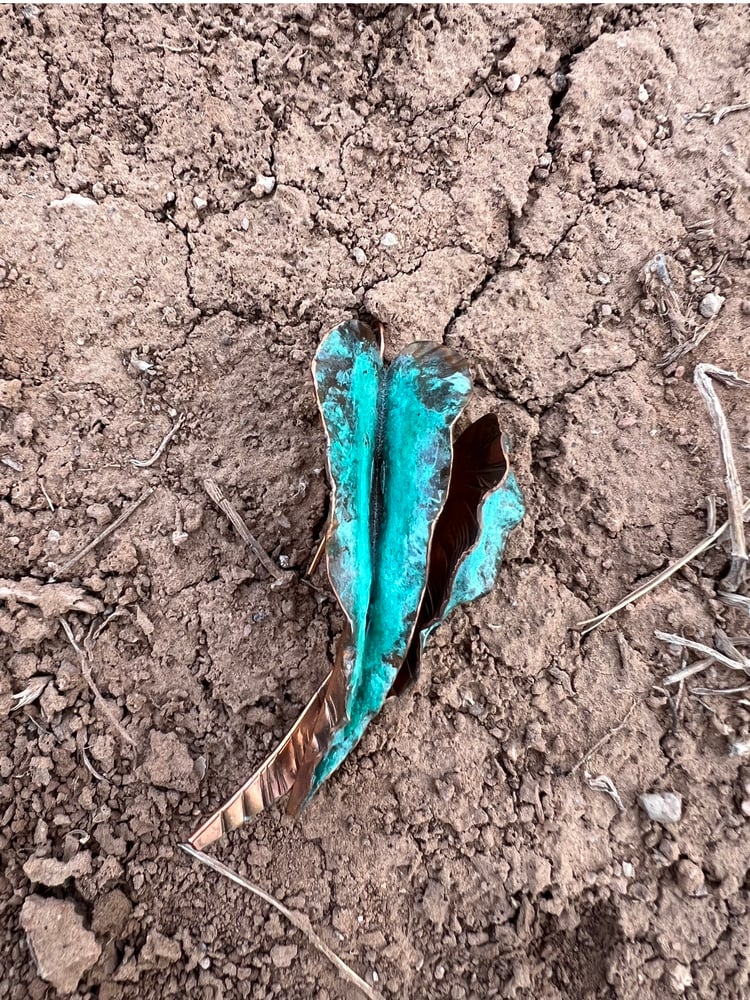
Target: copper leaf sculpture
<point>418,525</point>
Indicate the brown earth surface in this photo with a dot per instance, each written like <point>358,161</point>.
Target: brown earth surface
<point>493,177</point>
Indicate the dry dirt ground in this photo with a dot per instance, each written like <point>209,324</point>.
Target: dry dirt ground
<point>496,178</point>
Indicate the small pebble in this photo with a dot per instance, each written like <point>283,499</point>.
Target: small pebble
<point>23,427</point>
<point>690,878</point>
<point>359,256</point>
<point>643,94</point>
<point>282,955</point>
<point>711,305</point>
<point>388,240</point>
<point>265,182</point>
<point>513,82</point>
<point>662,807</point>
<point>199,203</point>
<point>545,160</point>
<point>668,850</point>
<point>606,309</point>
<point>559,82</point>
<point>603,278</point>
<point>245,224</point>
<point>678,977</point>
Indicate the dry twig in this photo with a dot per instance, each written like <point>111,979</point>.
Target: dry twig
<point>147,463</point>
<point>742,663</point>
<point>600,743</point>
<point>103,534</point>
<point>282,578</point>
<point>299,920</point>
<point>716,116</point>
<point>591,623</point>
<point>704,374</point>
<point>84,658</point>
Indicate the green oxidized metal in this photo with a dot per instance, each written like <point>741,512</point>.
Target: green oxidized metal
<point>389,456</point>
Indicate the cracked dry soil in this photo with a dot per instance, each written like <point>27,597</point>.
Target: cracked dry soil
<point>494,177</point>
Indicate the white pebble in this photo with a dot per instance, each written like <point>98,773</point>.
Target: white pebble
<point>545,160</point>
<point>264,184</point>
<point>388,240</point>
<point>711,305</point>
<point>513,82</point>
<point>199,203</point>
<point>73,201</point>
<point>662,807</point>
<point>245,224</point>
<point>643,94</point>
<point>359,256</point>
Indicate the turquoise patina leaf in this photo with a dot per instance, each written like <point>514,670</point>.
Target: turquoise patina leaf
<point>348,374</point>
<point>500,512</point>
<point>426,388</point>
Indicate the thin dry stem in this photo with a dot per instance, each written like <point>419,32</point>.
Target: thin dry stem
<point>698,647</point>
<point>704,376</point>
<point>282,578</point>
<point>591,623</point>
<point>147,463</point>
<point>299,920</point>
<point>128,512</point>
<point>600,743</point>
<point>84,658</point>
<point>46,496</point>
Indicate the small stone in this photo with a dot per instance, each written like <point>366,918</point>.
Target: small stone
<point>628,869</point>
<point>60,945</point>
<point>282,955</point>
<point>513,82</point>
<point>199,204</point>
<point>545,160</point>
<point>643,94</point>
<point>559,82</point>
<point>23,427</point>
<point>690,878</point>
<point>603,278</point>
<point>711,305</point>
<point>98,190</point>
<point>245,224</point>
<point>266,182</point>
<point>10,392</point>
<point>359,256</point>
<point>668,850</point>
<point>606,309</point>
<point>388,240</point>
<point>662,807</point>
<point>439,972</point>
<point>100,512</point>
<point>678,977</point>
<point>160,949</point>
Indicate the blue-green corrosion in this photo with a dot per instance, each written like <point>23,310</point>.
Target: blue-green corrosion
<point>389,458</point>
<point>500,512</point>
<point>423,393</point>
<point>348,372</point>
